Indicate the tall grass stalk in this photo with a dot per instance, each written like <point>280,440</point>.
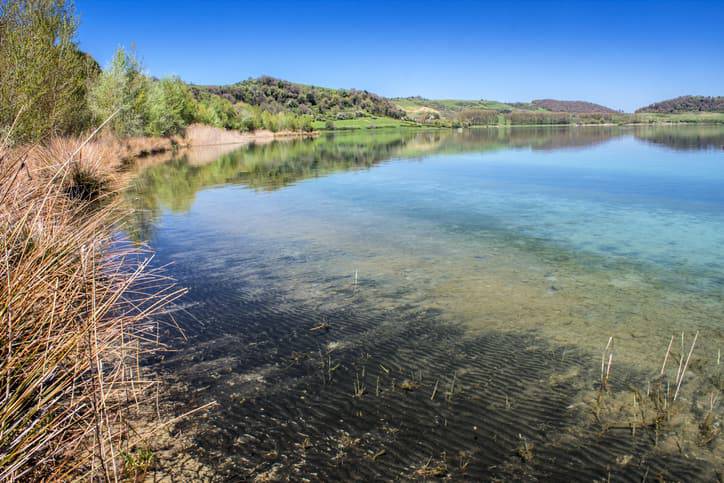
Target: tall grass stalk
<point>76,304</point>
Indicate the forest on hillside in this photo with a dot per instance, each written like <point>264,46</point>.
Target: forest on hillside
<point>578,107</point>
<point>277,95</point>
<point>686,104</point>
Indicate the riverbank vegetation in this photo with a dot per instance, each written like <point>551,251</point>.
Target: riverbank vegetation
<point>77,303</point>
<point>76,300</point>
<point>60,90</point>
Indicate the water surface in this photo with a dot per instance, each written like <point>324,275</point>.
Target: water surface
<point>391,303</point>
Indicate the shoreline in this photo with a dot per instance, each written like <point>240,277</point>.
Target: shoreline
<point>129,150</point>
<point>196,135</point>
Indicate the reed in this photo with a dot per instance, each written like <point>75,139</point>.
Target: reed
<point>76,302</point>
<point>359,386</point>
<point>686,364</point>
<point>606,368</point>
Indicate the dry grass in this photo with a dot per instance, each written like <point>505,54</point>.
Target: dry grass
<point>204,135</point>
<point>76,305</point>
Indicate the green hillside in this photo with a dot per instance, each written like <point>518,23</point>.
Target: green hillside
<point>330,108</point>
<point>486,112</point>
<point>686,104</point>
<point>277,95</point>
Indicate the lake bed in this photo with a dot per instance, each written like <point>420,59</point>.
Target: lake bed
<point>479,304</point>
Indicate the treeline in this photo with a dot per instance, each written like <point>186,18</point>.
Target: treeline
<point>276,96</point>
<point>542,118</point>
<point>489,117</point>
<point>162,107</point>
<point>579,107</point>
<point>48,86</point>
<point>685,104</point>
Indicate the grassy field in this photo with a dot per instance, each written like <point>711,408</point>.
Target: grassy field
<point>686,117</point>
<point>448,107</point>
<point>372,122</point>
<point>621,119</point>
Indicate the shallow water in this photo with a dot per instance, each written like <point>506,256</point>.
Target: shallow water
<point>410,304</point>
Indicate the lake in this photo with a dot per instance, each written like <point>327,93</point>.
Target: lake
<point>477,304</point>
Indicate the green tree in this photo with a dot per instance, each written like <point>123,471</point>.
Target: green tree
<point>217,111</point>
<point>42,72</point>
<point>121,91</point>
<point>170,107</point>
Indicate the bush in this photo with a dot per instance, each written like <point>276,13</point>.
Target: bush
<point>122,90</point>
<point>170,107</point>
<point>218,111</point>
<point>269,121</point>
<point>42,72</point>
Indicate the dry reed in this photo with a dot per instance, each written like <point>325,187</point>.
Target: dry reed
<point>76,305</point>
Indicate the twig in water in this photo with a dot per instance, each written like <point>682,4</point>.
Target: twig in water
<point>452,388</point>
<point>320,326</point>
<point>666,357</point>
<point>434,390</point>
<point>681,358</point>
<point>359,387</point>
<point>681,379</point>
<point>606,370</point>
<point>603,362</point>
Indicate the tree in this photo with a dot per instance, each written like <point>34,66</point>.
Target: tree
<point>121,91</point>
<point>43,75</point>
<point>170,107</point>
<point>218,111</point>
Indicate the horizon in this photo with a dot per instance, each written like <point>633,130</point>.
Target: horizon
<point>617,54</point>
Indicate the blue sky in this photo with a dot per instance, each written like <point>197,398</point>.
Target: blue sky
<point>621,54</point>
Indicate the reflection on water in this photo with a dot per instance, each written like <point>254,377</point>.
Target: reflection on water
<point>364,303</point>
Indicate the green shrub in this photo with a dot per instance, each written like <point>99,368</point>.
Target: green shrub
<point>42,72</point>
<point>269,121</point>
<point>170,107</point>
<point>217,111</point>
<point>121,89</point>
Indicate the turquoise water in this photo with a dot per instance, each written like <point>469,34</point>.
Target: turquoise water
<point>573,235</point>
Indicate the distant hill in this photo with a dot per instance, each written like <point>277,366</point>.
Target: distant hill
<point>686,104</point>
<point>576,107</point>
<point>353,108</point>
<point>276,95</point>
<point>449,108</point>
<point>423,110</point>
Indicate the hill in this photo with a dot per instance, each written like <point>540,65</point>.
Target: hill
<point>450,108</point>
<point>576,107</point>
<point>446,108</point>
<point>684,104</point>
<point>487,112</point>
<point>330,108</point>
<point>276,95</point>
